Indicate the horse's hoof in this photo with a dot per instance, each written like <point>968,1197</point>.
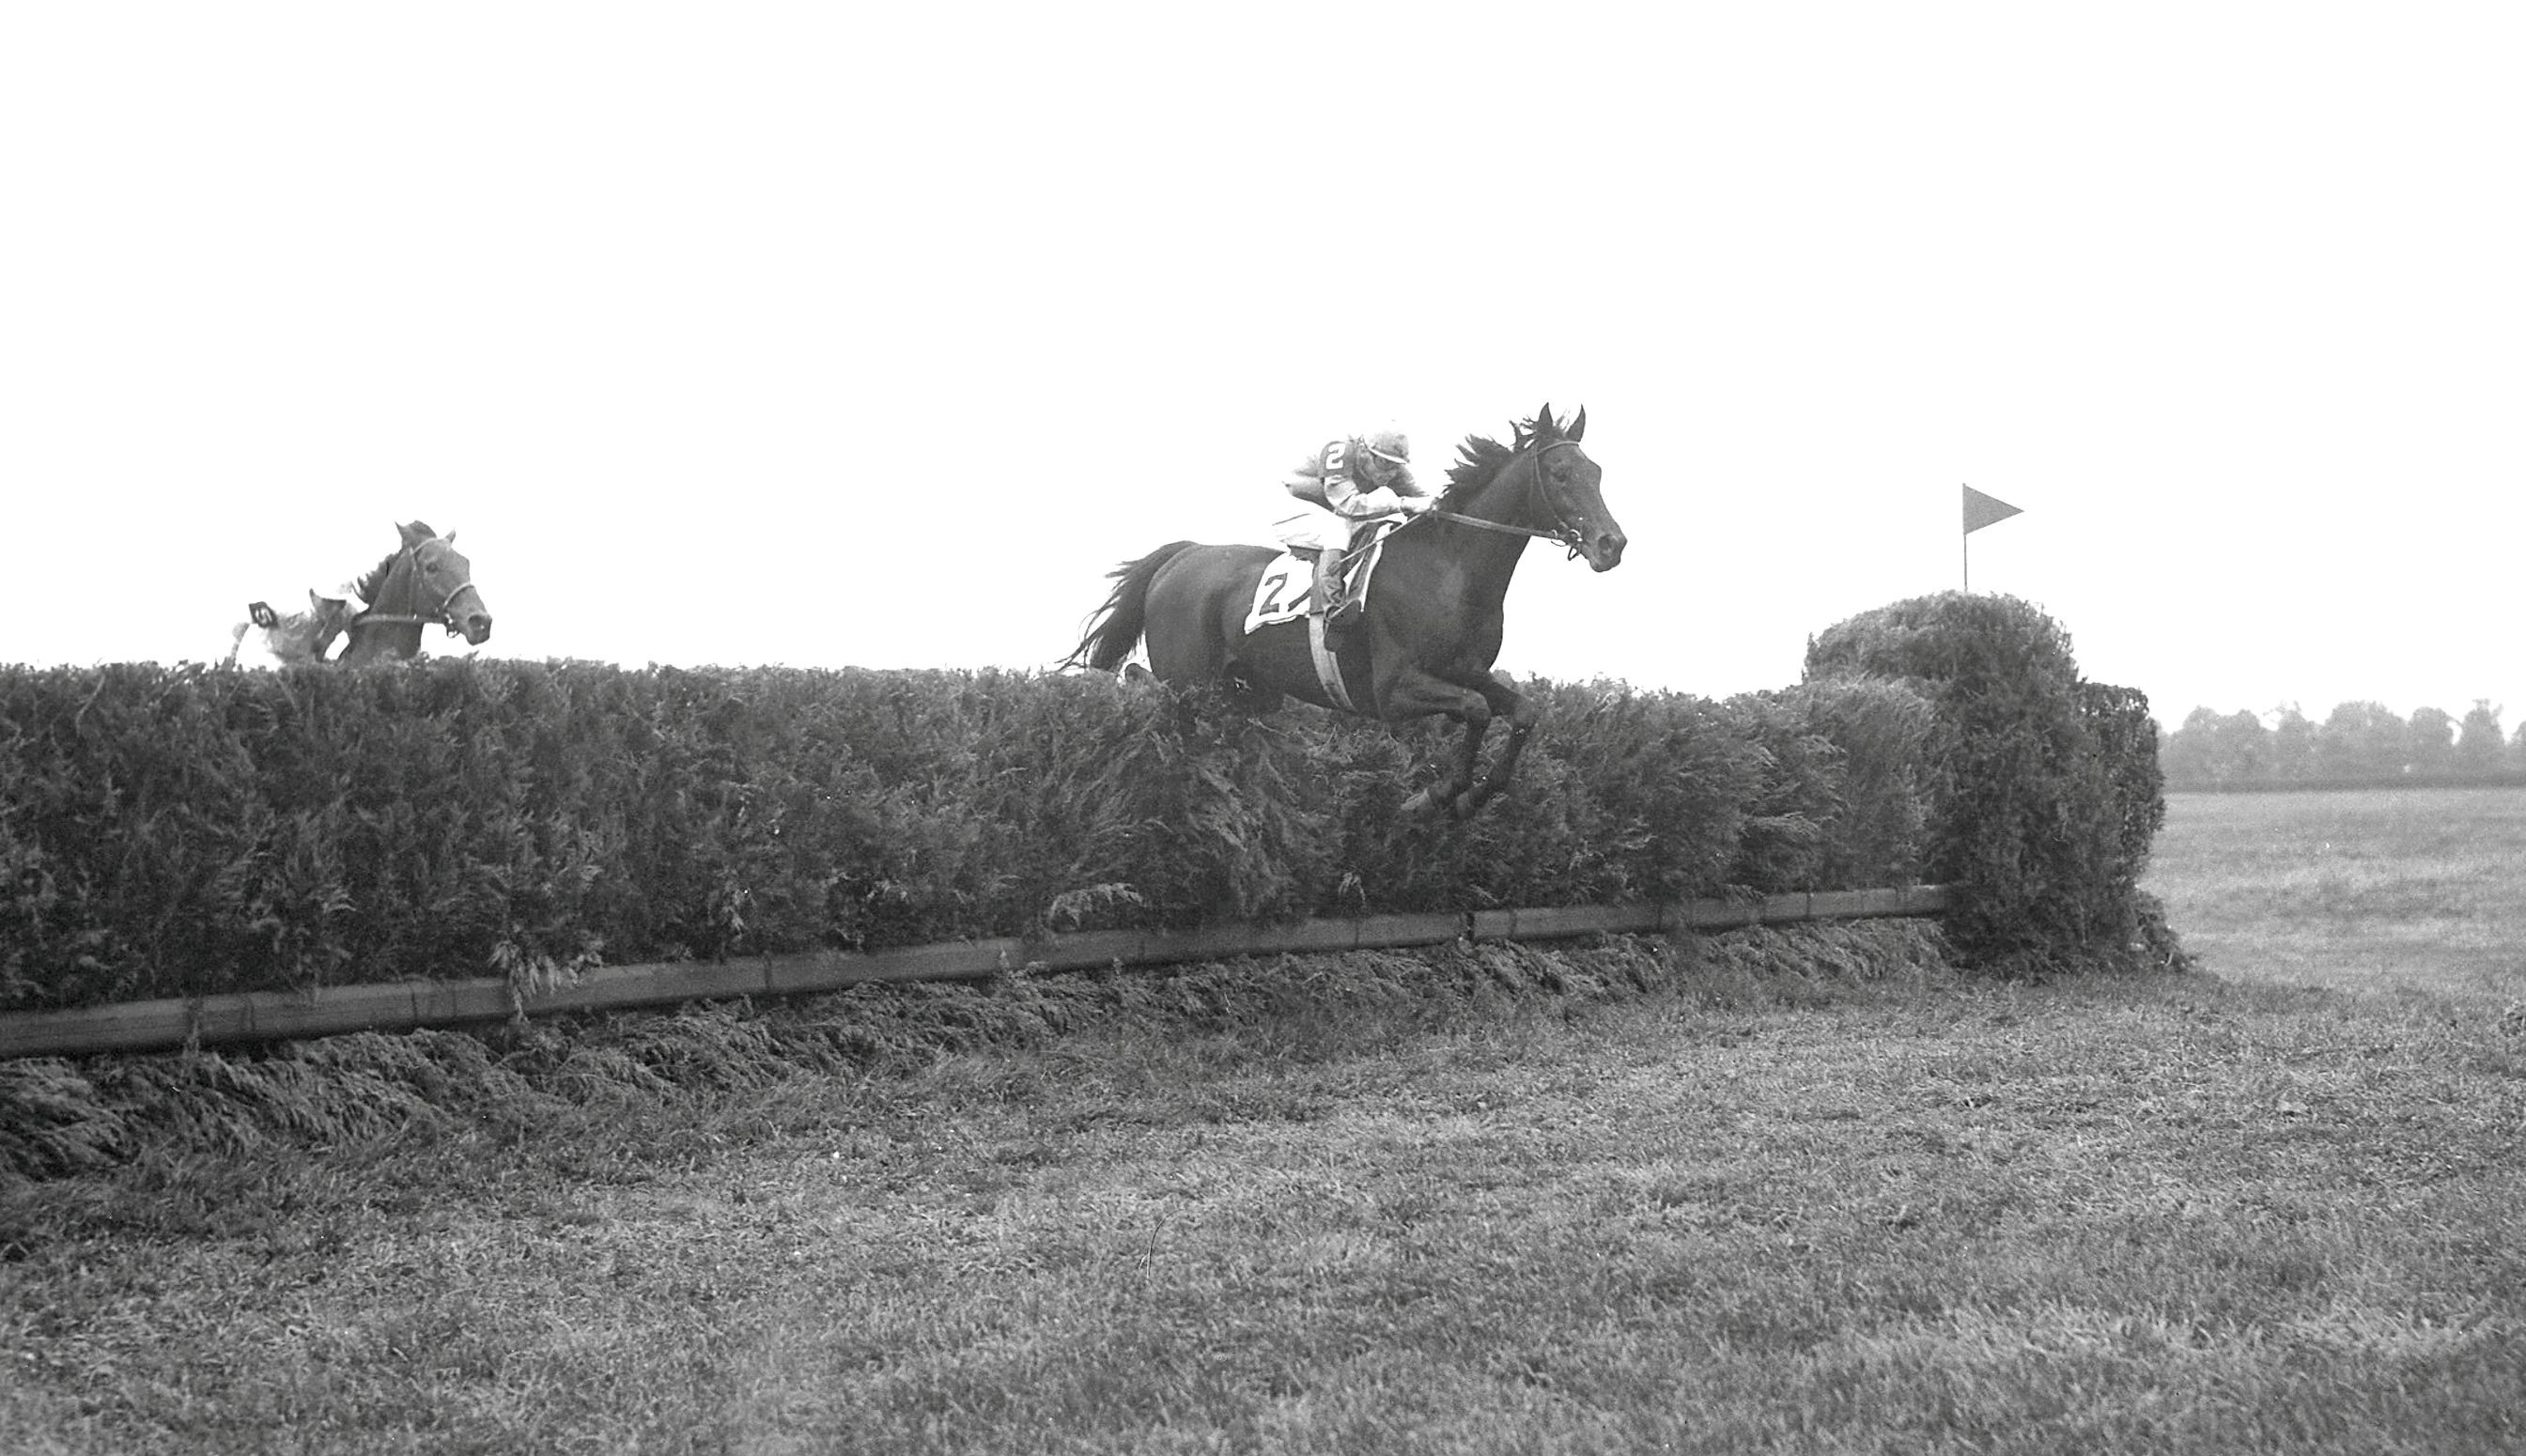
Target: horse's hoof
<point>1420,803</point>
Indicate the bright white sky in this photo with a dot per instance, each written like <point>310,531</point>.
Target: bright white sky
<point>870,334</point>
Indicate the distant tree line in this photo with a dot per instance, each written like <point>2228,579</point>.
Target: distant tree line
<point>2358,743</point>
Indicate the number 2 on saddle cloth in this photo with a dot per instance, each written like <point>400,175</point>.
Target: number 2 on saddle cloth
<point>1302,581</point>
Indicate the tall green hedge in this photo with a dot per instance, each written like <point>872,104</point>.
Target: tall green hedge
<point>188,831</point>
<point>2044,788</point>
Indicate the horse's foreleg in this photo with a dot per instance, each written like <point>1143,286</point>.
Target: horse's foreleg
<point>1522,716</point>
<point>1475,713</point>
<point>1460,793</point>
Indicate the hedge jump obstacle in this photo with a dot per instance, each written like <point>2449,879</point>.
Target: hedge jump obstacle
<point>270,1015</point>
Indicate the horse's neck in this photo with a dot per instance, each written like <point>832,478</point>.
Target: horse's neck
<point>1487,559</point>
<point>373,641</point>
<point>394,591</point>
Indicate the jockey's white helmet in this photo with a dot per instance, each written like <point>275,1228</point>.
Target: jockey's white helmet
<point>1388,445</point>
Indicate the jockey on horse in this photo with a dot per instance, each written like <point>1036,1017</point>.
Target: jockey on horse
<point>424,581</point>
<point>1356,488</point>
<point>1427,649</point>
<point>268,638</point>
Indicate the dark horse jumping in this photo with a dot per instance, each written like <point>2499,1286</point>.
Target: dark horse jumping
<point>1433,627</point>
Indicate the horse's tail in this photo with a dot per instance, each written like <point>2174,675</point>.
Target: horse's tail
<point>1119,622</point>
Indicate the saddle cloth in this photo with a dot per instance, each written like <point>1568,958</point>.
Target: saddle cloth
<point>1289,583</point>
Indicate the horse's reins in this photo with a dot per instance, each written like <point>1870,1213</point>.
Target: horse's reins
<point>439,617</point>
<point>1563,532</point>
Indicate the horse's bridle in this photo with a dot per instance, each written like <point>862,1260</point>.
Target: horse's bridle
<point>1563,532</point>
<point>436,614</point>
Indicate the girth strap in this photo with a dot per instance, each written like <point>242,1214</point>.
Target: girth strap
<point>1328,667</point>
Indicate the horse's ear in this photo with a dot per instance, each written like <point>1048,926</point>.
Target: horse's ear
<point>1578,422</point>
<point>449,538</point>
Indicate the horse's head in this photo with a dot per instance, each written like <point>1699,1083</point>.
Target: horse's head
<point>1568,490</point>
<point>442,585</point>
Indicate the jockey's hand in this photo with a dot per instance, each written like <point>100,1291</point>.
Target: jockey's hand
<point>1414,505</point>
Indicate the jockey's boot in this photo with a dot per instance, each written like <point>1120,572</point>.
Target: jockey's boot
<point>1345,610</point>
<point>1329,598</point>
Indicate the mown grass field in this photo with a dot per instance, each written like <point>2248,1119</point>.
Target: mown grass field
<point>2387,890</point>
<point>1617,1199</point>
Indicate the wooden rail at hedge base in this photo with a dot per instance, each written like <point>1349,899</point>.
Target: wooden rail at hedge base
<point>268,1016</point>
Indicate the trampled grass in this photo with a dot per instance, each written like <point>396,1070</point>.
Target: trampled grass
<point>1313,1205</point>
<point>2370,889</point>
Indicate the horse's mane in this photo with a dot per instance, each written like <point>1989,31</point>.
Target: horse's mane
<point>368,585</point>
<point>1480,459</point>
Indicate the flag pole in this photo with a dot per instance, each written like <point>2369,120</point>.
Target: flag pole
<point>1968,540</point>
<point>1980,510</point>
